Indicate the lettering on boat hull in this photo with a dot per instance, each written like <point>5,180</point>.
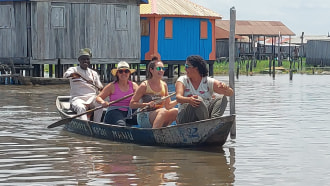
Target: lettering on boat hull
<point>99,132</point>
<point>122,135</point>
<point>77,125</point>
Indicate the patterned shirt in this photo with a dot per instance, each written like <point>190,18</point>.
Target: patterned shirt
<point>153,95</point>
<point>204,90</point>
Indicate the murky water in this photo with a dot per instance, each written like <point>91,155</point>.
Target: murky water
<point>283,136</point>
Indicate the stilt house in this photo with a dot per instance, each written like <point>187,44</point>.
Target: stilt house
<point>38,32</point>
<point>174,29</point>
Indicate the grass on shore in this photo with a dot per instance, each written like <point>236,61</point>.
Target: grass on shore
<point>262,67</point>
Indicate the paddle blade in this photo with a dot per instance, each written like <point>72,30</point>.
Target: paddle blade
<point>61,122</point>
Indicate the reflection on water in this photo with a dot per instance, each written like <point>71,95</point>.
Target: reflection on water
<point>103,162</point>
<point>282,139</point>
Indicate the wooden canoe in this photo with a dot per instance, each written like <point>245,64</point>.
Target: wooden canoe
<point>210,132</point>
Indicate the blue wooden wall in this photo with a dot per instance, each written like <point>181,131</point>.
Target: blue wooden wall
<point>186,40</point>
<point>145,46</point>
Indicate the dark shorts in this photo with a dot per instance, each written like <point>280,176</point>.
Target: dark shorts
<point>117,117</point>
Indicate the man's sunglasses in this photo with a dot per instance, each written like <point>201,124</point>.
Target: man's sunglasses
<point>160,68</point>
<point>122,71</point>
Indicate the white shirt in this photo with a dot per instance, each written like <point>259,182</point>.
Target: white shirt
<point>80,89</point>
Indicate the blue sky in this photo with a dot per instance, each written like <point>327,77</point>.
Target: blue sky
<point>310,17</point>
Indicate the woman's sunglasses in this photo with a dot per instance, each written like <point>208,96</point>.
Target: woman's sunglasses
<point>122,71</point>
<point>160,68</point>
<point>187,66</point>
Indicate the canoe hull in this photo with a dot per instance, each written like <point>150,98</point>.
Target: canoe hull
<point>211,132</point>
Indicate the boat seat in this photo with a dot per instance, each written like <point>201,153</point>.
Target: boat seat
<point>66,107</point>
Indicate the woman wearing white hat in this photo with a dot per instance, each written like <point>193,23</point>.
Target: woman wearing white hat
<point>121,87</point>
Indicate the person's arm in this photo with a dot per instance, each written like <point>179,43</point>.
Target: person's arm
<point>179,88</point>
<point>107,91</point>
<point>192,100</point>
<point>135,101</point>
<point>222,88</point>
<point>168,102</point>
<point>135,86</point>
<point>71,73</point>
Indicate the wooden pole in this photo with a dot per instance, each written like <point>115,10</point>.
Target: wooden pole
<point>302,49</point>
<point>273,57</point>
<point>232,67</point>
<point>238,59</point>
<point>50,70</point>
<point>274,67</point>
<point>270,65</point>
<point>279,54</point>
<point>290,59</point>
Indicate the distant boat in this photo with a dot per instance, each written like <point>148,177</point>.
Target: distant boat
<point>210,132</point>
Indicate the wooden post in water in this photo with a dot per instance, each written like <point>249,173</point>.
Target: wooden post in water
<point>274,66</point>
<point>237,69</point>
<point>279,53</point>
<point>302,50</point>
<point>50,70</point>
<point>232,67</point>
<point>270,65</point>
<point>138,73</point>
<point>273,57</point>
<point>291,71</point>
<point>179,70</point>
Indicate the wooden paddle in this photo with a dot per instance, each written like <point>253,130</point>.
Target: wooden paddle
<point>98,88</point>
<point>67,120</point>
<point>146,107</point>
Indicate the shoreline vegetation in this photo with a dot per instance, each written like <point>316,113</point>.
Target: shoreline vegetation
<point>262,67</point>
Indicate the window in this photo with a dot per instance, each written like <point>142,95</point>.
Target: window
<point>57,17</point>
<point>144,27</point>
<point>6,16</point>
<point>203,30</point>
<point>168,28</point>
<point>121,17</point>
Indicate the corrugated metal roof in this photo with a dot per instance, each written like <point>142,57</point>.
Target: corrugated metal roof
<point>176,8</point>
<point>261,28</point>
<point>297,40</point>
<point>223,34</point>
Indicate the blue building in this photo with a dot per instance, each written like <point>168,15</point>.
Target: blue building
<point>175,29</point>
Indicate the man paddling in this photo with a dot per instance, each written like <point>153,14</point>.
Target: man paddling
<point>85,84</point>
